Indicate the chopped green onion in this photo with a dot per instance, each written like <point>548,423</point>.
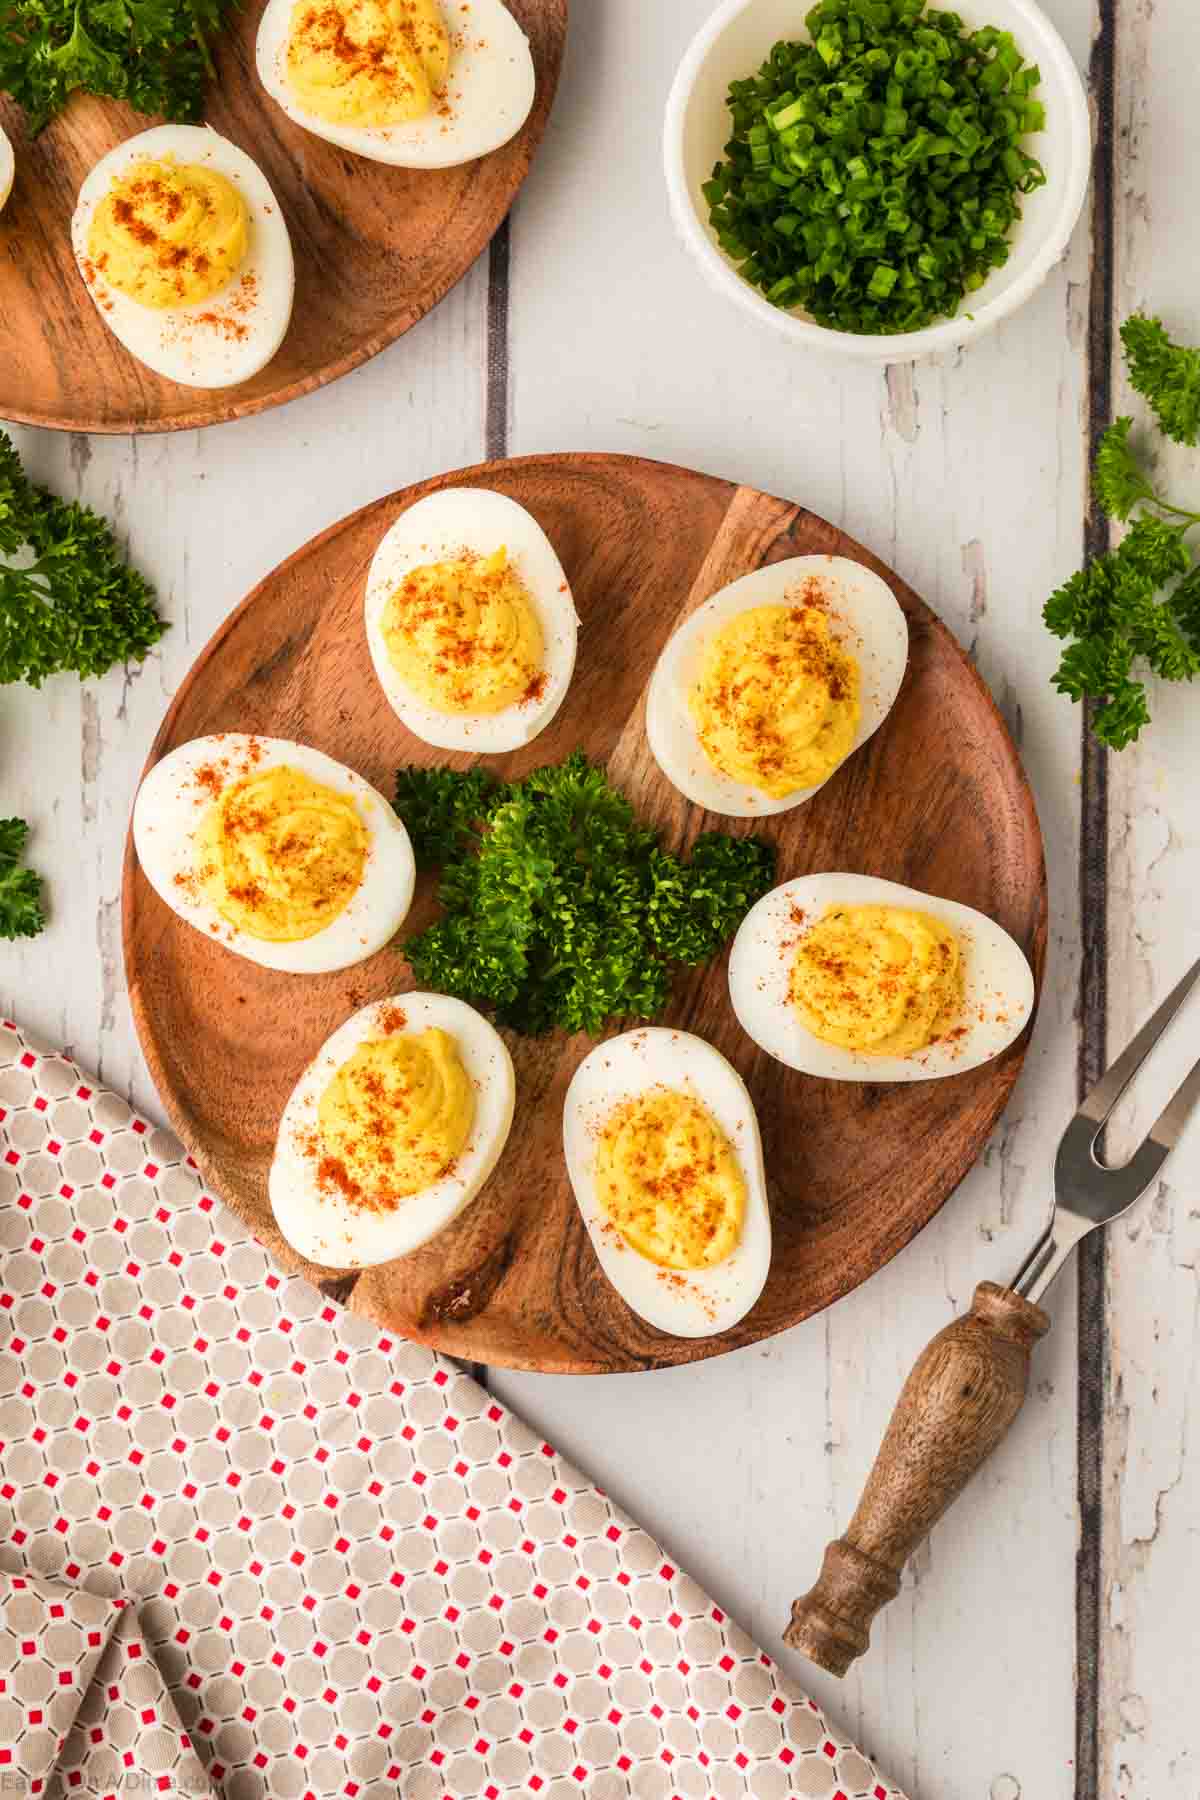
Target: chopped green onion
<point>788,115</point>
<point>874,173</point>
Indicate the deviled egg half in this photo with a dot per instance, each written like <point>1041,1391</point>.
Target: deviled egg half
<point>184,250</point>
<point>663,1151</point>
<point>852,978</point>
<point>274,850</point>
<point>470,621</point>
<point>8,167</point>
<point>766,689</point>
<point>421,83</point>
<point>393,1127</point>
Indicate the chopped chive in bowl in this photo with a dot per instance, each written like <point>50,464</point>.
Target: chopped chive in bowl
<point>875,172</point>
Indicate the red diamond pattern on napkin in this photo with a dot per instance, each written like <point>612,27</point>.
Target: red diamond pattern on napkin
<point>354,1573</point>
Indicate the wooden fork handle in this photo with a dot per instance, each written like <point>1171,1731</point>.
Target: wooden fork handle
<point>964,1392</point>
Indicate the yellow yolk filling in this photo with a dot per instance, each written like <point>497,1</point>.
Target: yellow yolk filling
<point>168,233</point>
<point>668,1180</point>
<point>394,1118</point>
<point>878,979</point>
<point>776,703</point>
<point>367,62</point>
<point>281,855</point>
<point>464,635</point>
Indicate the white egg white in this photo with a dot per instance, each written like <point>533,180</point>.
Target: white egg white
<point>323,1226</point>
<point>865,618</point>
<point>175,796</point>
<point>687,1303</point>
<point>440,528</point>
<point>229,337</point>
<point>488,95</point>
<point>998,981</point>
<point>8,166</point>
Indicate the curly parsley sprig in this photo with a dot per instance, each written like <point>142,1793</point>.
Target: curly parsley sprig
<point>1165,374</point>
<point>154,54</point>
<point>1140,602</point>
<point>69,601</point>
<point>21,912</point>
<point>560,909</point>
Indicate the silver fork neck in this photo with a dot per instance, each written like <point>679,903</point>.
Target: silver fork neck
<point>1048,1255</point>
<point>1088,1193</point>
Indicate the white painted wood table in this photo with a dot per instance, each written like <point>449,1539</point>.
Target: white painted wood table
<point>586,329</point>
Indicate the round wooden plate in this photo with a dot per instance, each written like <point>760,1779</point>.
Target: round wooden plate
<point>936,799</point>
<point>375,247</point>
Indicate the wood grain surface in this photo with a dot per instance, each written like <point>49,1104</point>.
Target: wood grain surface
<point>375,247</point>
<point>937,799</point>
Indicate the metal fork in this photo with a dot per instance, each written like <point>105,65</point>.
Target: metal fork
<point>967,1386</point>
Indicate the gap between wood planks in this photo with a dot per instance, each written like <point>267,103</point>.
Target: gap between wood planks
<point>1092,1350</point>
<point>495,409</point>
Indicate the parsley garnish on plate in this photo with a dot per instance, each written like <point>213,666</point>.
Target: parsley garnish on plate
<point>154,54</point>
<point>560,909</point>
<point>1139,604</point>
<point>69,601</point>
<point>21,912</point>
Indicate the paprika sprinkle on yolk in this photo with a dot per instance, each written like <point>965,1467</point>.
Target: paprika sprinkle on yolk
<point>882,980</point>
<point>669,1182</point>
<point>169,234</point>
<point>281,855</point>
<point>394,1119</point>
<point>367,62</point>
<point>464,635</point>
<point>776,702</point>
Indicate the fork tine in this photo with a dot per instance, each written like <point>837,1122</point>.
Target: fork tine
<point>1089,1193</point>
<point>1136,1176</point>
<point>1130,1180</point>
<point>1100,1102</point>
<point>1168,1126</point>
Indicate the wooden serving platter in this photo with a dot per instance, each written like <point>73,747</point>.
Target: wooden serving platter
<point>375,247</point>
<point>937,799</point>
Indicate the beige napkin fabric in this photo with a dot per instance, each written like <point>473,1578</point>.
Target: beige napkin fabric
<point>84,1709</point>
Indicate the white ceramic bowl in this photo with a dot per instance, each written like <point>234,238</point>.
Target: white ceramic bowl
<point>733,44</point>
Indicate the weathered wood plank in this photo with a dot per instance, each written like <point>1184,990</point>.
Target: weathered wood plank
<point>1149,1742</point>
<point>969,477</point>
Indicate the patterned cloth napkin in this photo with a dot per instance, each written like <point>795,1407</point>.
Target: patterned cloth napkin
<point>81,1690</point>
<point>254,1547</point>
